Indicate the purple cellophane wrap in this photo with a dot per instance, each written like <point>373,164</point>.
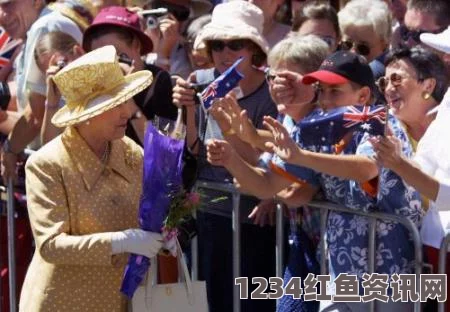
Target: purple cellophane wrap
<point>162,177</point>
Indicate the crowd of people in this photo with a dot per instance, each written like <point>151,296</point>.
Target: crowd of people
<point>85,78</point>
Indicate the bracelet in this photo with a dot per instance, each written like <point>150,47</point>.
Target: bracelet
<point>228,132</point>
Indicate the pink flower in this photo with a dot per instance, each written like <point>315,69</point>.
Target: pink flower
<point>193,198</point>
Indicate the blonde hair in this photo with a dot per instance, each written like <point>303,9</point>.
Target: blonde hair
<point>374,13</point>
<point>308,52</point>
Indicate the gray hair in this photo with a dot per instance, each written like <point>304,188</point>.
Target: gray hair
<point>374,13</point>
<point>308,52</point>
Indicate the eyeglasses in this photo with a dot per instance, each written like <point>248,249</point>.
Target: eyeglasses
<point>361,48</point>
<point>406,33</point>
<point>233,45</point>
<point>395,78</point>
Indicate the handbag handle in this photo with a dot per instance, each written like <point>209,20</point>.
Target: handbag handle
<point>181,264</point>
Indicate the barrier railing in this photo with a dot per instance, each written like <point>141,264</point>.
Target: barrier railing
<point>374,216</point>
<point>445,244</point>
<point>11,234</point>
<point>325,208</point>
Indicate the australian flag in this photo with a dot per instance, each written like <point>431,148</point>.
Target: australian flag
<point>223,84</point>
<point>7,47</point>
<point>329,127</point>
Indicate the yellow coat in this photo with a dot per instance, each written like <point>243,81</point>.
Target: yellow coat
<point>74,203</point>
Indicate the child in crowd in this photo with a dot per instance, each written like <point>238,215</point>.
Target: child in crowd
<point>344,78</point>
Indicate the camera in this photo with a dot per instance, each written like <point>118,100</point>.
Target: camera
<point>152,17</point>
<point>5,95</point>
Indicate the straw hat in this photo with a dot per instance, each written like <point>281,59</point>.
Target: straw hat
<point>93,84</point>
<point>235,20</point>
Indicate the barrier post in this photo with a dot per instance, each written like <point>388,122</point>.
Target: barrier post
<point>442,265</point>
<point>279,256</point>
<point>236,223</point>
<point>323,243</point>
<point>11,246</point>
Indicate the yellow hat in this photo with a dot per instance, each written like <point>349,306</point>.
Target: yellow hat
<point>95,83</point>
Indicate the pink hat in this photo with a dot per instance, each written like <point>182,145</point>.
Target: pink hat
<point>122,17</point>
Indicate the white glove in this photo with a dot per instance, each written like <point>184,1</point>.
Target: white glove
<point>136,241</point>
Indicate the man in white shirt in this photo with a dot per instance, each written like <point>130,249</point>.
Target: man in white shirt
<point>29,20</point>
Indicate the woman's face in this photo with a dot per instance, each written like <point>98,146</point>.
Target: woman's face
<point>366,36</point>
<point>223,56</point>
<point>322,28</point>
<point>132,51</point>
<point>307,91</point>
<point>43,60</point>
<point>111,124</point>
<point>404,92</point>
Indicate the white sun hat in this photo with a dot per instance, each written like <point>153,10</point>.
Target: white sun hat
<point>439,41</point>
<point>235,20</point>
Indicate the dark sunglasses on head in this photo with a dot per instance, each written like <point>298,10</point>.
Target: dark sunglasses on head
<point>361,48</point>
<point>233,45</point>
<point>181,13</point>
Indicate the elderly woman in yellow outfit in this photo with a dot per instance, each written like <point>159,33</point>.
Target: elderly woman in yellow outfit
<point>83,192</point>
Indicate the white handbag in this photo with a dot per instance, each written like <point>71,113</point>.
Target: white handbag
<point>186,296</point>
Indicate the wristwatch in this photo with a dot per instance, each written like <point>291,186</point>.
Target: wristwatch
<point>7,147</point>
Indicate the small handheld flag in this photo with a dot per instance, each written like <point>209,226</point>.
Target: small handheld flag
<point>223,84</point>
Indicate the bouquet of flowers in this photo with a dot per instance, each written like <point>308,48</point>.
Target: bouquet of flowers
<point>163,165</point>
<point>182,205</point>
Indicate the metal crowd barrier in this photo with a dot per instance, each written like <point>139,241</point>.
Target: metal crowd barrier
<point>325,208</point>
<point>11,234</point>
<point>445,244</point>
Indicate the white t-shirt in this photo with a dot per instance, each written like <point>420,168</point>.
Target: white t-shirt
<point>433,156</point>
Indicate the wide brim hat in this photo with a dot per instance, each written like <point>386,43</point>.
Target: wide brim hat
<point>121,17</point>
<point>235,20</point>
<point>98,77</point>
<point>439,41</point>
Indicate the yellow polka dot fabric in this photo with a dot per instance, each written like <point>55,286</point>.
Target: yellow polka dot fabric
<point>75,202</point>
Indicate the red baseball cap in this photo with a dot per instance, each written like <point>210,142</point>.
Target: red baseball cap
<point>122,17</point>
<point>342,67</point>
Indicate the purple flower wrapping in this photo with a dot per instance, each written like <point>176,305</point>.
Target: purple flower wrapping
<point>162,177</point>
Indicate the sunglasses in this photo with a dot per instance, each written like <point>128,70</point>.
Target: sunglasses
<point>395,78</point>
<point>361,48</point>
<point>233,45</point>
<point>406,33</point>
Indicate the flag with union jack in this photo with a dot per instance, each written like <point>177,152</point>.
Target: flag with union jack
<point>7,47</point>
<point>329,127</point>
<point>223,84</point>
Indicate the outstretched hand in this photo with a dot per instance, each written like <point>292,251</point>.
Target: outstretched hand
<point>282,144</point>
<point>218,152</point>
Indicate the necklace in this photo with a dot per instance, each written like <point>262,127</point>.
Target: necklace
<point>105,155</point>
